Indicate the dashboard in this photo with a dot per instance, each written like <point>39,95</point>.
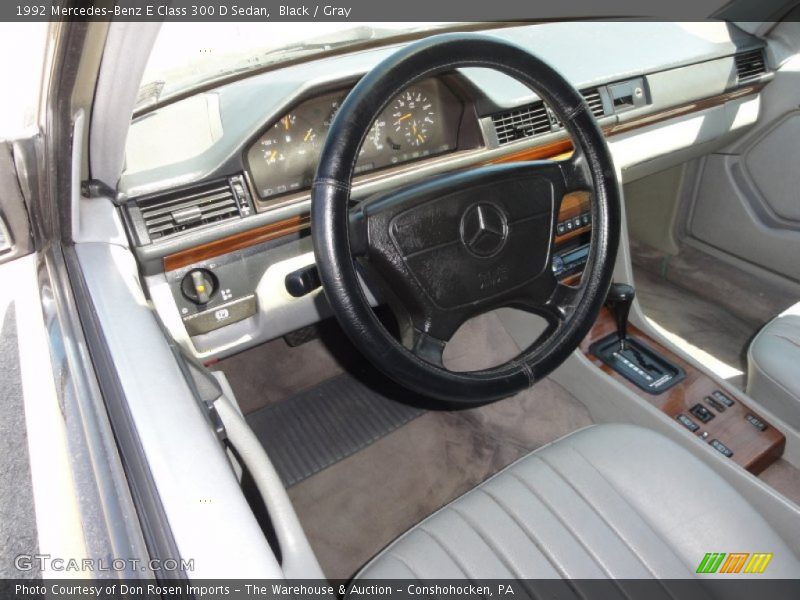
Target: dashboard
<point>216,192</point>
<point>419,123</point>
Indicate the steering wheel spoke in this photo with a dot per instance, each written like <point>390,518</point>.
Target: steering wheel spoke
<point>427,336</point>
<point>358,233</point>
<point>575,173</point>
<point>427,347</point>
<point>547,298</point>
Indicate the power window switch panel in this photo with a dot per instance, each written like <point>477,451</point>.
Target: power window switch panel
<point>721,448</point>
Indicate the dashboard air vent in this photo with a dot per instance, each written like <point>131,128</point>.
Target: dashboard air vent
<point>594,101</point>
<point>523,122</point>
<point>537,118</point>
<point>750,64</point>
<point>179,211</point>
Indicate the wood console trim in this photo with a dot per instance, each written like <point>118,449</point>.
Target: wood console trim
<point>235,242</point>
<point>752,449</point>
<point>572,205</point>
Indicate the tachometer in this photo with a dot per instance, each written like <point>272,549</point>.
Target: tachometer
<point>413,117</point>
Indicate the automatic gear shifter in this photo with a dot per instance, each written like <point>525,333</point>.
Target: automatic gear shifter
<point>619,300</point>
<point>628,356</point>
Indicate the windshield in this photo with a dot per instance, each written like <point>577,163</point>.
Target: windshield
<point>186,55</point>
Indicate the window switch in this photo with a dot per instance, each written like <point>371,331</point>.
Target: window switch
<point>715,404</point>
<point>719,396</point>
<point>702,413</point>
<point>687,422</point>
<point>756,422</point>
<point>721,448</point>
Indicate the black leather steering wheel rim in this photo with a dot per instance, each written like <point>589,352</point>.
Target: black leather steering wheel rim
<point>331,218</point>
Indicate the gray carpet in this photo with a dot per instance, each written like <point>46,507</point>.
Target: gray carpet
<point>700,322</point>
<point>356,506</point>
<point>275,371</point>
<point>722,321</point>
<point>751,298</point>
<point>353,509</point>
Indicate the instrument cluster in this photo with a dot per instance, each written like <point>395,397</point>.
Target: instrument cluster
<point>419,123</point>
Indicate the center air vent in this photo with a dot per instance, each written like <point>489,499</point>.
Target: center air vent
<point>523,122</point>
<point>536,119</point>
<point>750,64</point>
<point>179,211</point>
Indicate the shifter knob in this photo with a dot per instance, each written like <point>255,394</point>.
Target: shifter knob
<point>619,300</point>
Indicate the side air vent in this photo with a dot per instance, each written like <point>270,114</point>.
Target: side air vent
<point>594,101</point>
<point>523,122</point>
<point>179,211</point>
<point>750,64</point>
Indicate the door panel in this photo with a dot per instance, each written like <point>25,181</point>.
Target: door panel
<point>772,165</point>
<point>747,201</point>
<point>15,237</point>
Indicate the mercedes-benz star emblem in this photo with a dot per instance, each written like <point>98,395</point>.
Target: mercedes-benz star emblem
<point>484,229</point>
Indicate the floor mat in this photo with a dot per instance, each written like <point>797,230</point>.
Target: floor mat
<point>320,426</point>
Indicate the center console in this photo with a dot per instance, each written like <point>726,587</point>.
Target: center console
<point>695,400</point>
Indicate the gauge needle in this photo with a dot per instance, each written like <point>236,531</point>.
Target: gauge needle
<point>308,135</point>
<point>404,117</point>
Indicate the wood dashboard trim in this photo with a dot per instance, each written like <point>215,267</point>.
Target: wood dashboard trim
<point>563,148</point>
<point>558,149</point>
<point>245,239</point>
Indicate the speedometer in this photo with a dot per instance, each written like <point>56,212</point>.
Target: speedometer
<point>413,117</point>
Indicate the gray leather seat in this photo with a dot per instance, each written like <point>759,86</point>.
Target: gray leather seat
<point>608,501</point>
<point>773,366</point>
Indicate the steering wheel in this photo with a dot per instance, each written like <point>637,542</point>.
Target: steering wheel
<point>459,245</point>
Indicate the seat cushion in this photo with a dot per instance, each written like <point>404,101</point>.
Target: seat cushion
<point>773,376</point>
<point>608,501</point>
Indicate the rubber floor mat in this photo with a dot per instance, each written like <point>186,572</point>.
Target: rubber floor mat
<point>320,426</point>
